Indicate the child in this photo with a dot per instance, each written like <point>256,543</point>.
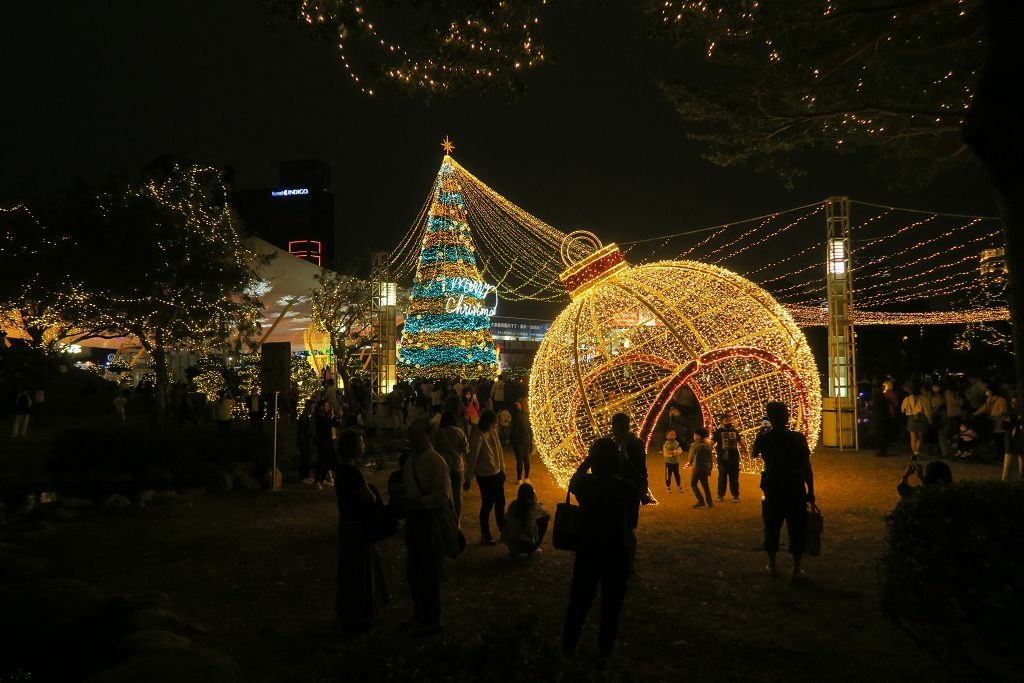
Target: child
<point>120,404</point>
<point>727,441</point>
<point>525,524</point>
<point>672,451</point>
<point>965,441</point>
<point>700,461</point>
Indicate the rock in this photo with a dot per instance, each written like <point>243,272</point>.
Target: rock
<point>145,496</point>
<point>75,503</point>
<point>44,605</point>
<point>158,619</point>
<point>243,466</point>
<point>159,477</point>
<point>193,664</point>
<point>115,501</point>
<point>18,568</point>
<point>128,604</point>
<point>246,482</point>
<point>223,482</point>
<point>142,642</point>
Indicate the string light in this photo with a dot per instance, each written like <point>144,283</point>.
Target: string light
<point>491,45</point>
<point>632,336</point>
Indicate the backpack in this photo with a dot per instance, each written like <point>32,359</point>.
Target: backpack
<point>22,402</point>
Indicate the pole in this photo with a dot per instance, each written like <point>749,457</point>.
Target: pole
<point>273,469</point>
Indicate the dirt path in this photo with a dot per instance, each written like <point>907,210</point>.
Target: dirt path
<point>258,571</point>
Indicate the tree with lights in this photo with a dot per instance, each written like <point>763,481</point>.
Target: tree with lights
<point>341,308</point>
<point>447,332</point>
<point>172,270</point>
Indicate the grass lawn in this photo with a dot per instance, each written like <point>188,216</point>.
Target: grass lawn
<point>257,570</point>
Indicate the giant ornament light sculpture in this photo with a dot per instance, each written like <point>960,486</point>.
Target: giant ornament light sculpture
<point>633,336</point>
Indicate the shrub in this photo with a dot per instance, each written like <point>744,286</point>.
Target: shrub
<point>953,575</point>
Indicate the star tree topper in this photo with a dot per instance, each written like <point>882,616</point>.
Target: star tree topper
<point>447,146</point>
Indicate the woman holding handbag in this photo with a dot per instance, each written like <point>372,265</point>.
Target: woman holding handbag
<point>361,590</point>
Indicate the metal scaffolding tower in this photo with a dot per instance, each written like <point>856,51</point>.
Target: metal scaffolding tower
<point>383,372</point>
<point>840,406</point>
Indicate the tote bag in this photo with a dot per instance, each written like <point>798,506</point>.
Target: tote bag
<point>815,525</point>
<point>568,519</point>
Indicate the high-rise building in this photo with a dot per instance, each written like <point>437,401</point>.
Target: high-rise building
<point>297,215</point>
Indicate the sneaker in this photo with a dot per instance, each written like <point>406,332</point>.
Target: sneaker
<point>526,480</point>
<point>710,504</point>
<point>519,482</point>
<point>735,499</point>
<point>799,576</point>
<point>720,499</point>
<point>669,489</point>
<point>488,541</point>
<point>772,571</point>
<point>699,504</point>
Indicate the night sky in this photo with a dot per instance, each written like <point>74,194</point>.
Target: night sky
<point>95,88</point>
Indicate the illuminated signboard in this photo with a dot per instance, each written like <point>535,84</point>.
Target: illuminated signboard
<point>290,192</point>
<point>519,329</point>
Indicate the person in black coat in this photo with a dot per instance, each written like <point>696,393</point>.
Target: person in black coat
<point>607,501</point>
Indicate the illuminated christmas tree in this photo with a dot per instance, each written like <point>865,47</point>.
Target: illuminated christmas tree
<point>448,330</point>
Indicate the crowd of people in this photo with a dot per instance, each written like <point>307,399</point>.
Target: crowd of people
<point>447,454</point>
<point>968,418</point>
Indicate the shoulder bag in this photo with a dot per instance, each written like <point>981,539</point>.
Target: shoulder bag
<point>815,526</point>
<point>445,528</point>
<point>566,530</point>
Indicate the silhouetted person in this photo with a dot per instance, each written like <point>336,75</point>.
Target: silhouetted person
<point>788,485</point>
<point>607,501</point>
<point>935,473</point>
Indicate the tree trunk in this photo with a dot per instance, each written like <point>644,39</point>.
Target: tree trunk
<point>995,130</point>
<point>156,349</point>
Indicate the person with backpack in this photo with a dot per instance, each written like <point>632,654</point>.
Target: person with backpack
<point>22,413</point>
<point>702,464</point>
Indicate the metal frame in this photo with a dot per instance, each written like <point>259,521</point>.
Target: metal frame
<point>383,357</point>
<point>842,365</point>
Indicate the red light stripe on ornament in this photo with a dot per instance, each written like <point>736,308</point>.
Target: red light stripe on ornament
<point>593,270</point>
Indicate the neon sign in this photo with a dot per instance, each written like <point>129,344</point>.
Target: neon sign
<point>290,192</point>
<point>463,287</point>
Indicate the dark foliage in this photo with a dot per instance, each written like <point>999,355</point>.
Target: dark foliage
<point>953,575</point>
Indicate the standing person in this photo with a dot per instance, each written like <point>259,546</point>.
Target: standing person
<point>918,412</point>
<point>395,402</point>
<point>1014,449</point>
<point>361,589</point>
<point>304,433</point>
<point>702,464</point>
<point>487,463</point>
<point>671,451</point>
<point>788,485</point>
<point>120,406</point>
<point>994,408</point>
<point>893,398</point>
<point>525,523</point>
<point>498,394</point>
<point>727,442</point>
<point>881,415</point>
<point>22,412</point>
<point>521,435</point>
<point>427,489</point>
<point>223,409</point>
<point>324,427</point>
<point>452,444</point>
<point>607,501</point>
<point>634,468</point>
<point>937,410</point>
<point>954,416</point>
<point>254,404</point>
<point>470,410</point>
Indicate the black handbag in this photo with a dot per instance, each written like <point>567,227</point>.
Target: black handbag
<point>378,520</point>
<point>568,520</point>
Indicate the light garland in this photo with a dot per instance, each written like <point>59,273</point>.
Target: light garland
<point>631,336</point>
<point>447,333</point>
